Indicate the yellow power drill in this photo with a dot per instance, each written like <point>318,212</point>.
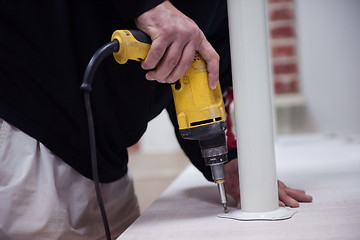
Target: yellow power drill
<point>200,111</point>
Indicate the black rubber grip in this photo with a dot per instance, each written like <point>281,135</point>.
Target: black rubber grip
<point>140,36</point>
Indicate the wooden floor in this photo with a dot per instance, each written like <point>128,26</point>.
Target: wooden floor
<point>153,173</point>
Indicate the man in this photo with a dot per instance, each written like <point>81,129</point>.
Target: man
<point>46,191</point>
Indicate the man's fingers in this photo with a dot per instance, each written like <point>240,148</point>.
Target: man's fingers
<point>299,195</point>
<point>185,61</point>
<point>286,199</point>
<point>291,197</point>
<point>281,184</point>
<point>167,63</point>
<point>173,65</point>
<point>155,54</point>
<point>212,60</point>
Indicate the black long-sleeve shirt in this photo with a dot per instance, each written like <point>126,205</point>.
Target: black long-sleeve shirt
<point>44,49</point>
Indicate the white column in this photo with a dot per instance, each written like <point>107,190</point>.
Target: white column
<point>253,109</point>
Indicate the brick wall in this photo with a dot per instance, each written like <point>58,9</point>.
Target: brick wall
<point>283,46</point>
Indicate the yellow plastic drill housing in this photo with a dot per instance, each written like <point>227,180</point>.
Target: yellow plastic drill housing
<point>196,104</point>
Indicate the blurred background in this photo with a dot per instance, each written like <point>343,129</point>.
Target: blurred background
<point>315,51</point>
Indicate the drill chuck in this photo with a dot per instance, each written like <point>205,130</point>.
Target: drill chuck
<point>213,148</point>
<point>218,172</point>
<point>215,157</point>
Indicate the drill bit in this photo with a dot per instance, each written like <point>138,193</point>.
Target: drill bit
<point>226,210</point>
<point>222,193</point>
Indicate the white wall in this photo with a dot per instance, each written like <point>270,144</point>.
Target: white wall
<point>159,136</point>
<point>329,51</point>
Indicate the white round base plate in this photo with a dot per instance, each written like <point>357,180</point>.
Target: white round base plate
<point>281,213</point>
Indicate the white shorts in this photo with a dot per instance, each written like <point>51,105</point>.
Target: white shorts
<point>41,197</point>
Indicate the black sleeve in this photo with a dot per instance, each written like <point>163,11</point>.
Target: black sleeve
<point>131,9</point>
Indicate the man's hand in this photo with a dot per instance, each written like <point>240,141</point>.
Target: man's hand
<point>175,39</point>
<point>287,196</point>
<point>291,197</point>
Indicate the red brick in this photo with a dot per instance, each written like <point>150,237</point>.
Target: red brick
<point>286,87</point>
<point>281,14</point>
<point>282,32</point>
<point>282,51</point>
<point>279,87</point>
<point>282,86</point>
<point>282,68</point>
<point>293,86</point>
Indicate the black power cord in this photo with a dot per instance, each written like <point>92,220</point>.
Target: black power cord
<point>95,61</point>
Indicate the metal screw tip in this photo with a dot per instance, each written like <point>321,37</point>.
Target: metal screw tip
<point>225,208</point>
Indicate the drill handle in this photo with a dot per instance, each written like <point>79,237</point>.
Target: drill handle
<point>134,45</point>
<point>140,36</point>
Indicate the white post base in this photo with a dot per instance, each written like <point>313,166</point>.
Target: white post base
<point>282,213</point>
